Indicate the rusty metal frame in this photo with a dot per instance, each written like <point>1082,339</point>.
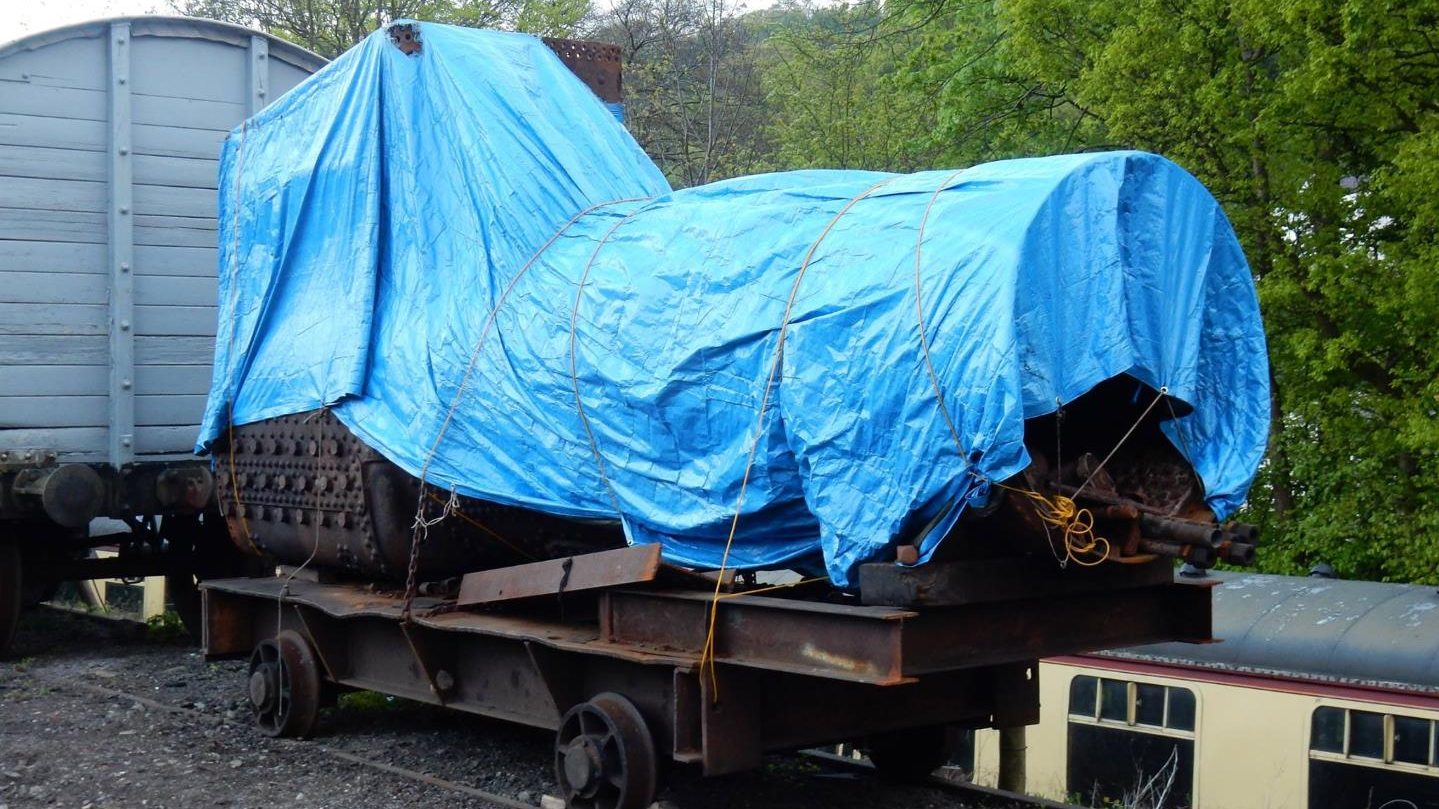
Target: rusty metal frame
<point>790,673</point>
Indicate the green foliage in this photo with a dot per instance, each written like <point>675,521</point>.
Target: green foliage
<point>692,86</point>
<point>831,82</point>
<point>330,27</point>
<point>166,626</point>
<point>366,701</point>
<point>1315,122</point>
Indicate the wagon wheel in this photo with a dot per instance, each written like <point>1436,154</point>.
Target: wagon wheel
<point>906,756</point>
<point>285,686</point>
<point>604,755</point>
<point>11,592</point>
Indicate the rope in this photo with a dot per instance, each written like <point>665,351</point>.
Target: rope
<point>1163,391</point>
<point>234,331</point>
<point>488,530</point>
<point>315,546</point>
<point>707,658</point>
<point>919,313</point>
<point>1058,511</point>
<point>1077,523</point>
<point>419,529</point>
<point>574,362</point>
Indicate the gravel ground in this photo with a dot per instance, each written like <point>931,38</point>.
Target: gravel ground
<point>68,739</point>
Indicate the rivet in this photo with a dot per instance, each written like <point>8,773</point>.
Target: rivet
<point>124,266</point>
<point>124,325</point>
<point>124,150</point>
<point>260,93</point>
<point>125,442</point>
<point>125,384</point>
<point>120,80</point>
<point>124,209</point>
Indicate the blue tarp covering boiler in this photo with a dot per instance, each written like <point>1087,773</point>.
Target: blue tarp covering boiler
<point>468,258</point>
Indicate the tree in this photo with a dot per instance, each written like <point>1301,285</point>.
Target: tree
<point>692,87</point>
<point>1317,125</point>
<point>330,27</point>
<point>830,76</point>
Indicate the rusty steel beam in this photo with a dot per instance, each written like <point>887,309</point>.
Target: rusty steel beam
<point>890,646</point>
<point>856,643</point>
<point>940,584</point>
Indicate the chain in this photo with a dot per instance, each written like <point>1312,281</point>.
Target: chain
<point>419,532</point>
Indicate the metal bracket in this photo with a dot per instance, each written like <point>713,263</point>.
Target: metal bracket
<point>13,459</point>
<point>406,37</point>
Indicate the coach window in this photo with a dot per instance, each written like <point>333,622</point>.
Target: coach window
<point>1121,731</point>
<point>1368,758</point>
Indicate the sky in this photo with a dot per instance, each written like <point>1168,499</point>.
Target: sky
<point>32,16</point>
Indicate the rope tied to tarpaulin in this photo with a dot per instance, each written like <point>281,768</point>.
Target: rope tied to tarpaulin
<point>707,653</point>
<point>1076,523</point>
<point>420,526</point>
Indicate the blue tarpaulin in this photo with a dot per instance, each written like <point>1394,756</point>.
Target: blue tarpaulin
<point>469,259</point>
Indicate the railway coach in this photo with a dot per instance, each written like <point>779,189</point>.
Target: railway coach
<point>109,136</point>
<point>1321,694</point>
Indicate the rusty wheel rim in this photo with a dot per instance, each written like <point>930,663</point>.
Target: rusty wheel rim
<point>284,686</point>
<point>604,755</point>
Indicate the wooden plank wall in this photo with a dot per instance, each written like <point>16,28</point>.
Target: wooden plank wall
<point>59,235</point>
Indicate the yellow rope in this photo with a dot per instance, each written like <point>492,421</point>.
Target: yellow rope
<point>1079,539</point>
<point>234,331</point>
<point>1076,523</point>
<point>486,529</point>
<point>707,660</point>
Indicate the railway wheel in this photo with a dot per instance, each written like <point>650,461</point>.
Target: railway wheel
<point>605,756</point>
<point>907,756</point>
<point>11,593</point>
<point>285,685</point>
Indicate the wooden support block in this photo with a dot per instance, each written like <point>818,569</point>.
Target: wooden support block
<point>590,571</point>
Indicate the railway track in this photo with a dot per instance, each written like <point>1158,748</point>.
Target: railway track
<point>980,797</point>
<point>403,754</point>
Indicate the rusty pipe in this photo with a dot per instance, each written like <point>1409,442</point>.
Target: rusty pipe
<point>1184,531</point>
<point>1238,553</point>
<point>1242,532</point>
<point>1197,555</point>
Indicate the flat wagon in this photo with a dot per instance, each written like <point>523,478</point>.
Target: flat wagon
<point>637,666</point>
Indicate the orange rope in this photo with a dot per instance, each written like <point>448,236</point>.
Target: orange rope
<point>486,529</point>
